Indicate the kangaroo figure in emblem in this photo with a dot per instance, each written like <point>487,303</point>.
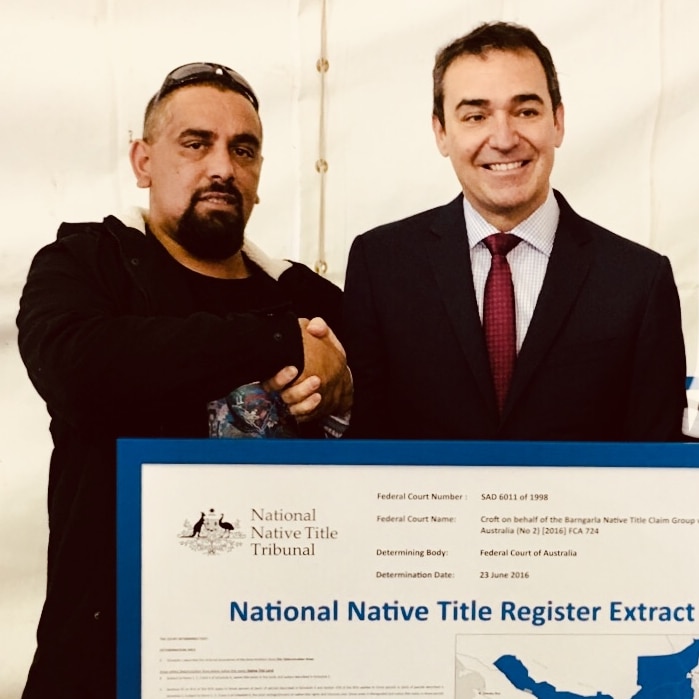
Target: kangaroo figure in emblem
<point>197,526</point>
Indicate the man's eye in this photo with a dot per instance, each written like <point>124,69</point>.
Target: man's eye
<point>473,118</point>
<point>194,145</point>
<point>529,112</point>
<point>243,152</point>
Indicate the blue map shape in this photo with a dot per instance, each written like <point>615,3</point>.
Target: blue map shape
<point>658,676</point>
<point>515,671</point>
<point>667,676</point>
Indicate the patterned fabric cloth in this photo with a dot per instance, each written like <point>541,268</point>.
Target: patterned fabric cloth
<point>251,412</point>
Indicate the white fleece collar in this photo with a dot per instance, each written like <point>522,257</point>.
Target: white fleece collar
<point>135,217</point>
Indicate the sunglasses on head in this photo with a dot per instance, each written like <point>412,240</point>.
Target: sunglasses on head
<point>193,73</point>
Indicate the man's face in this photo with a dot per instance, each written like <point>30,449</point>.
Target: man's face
<point>203,167</point>
<point>500,133</point>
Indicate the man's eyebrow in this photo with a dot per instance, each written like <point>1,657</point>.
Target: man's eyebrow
<point>472,103</point>
<point>530,97</point>
<point>517,99</point>
<point>197,133</point>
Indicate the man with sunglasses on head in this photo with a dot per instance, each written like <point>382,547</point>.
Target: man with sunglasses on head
<point>168,323</point>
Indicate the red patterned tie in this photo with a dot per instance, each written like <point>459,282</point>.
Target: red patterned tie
<point>499,313</point>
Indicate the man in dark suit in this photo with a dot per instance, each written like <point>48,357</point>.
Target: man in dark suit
<point>587,346</point>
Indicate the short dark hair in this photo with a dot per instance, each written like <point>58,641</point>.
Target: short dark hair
<point>492,36</point>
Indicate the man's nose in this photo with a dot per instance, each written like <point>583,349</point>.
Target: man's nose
<point>221,164</point>
<point>504,135</point>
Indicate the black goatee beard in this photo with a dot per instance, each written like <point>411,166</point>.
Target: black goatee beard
<point>217,235</point>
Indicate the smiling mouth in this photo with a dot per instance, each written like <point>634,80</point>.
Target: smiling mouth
<point>505,167</point>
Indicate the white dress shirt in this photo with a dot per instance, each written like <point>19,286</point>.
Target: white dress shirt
<point>528,260</point>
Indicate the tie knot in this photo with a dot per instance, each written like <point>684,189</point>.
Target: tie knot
<point>501,243</point>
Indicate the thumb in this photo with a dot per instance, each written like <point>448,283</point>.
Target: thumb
<point>317,327</point>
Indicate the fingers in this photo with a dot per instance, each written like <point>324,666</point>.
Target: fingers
<point>305,410</point>
<point>280,379</point>
<point>303,398</point>
<point>325,369</point>
<point>300,391</point>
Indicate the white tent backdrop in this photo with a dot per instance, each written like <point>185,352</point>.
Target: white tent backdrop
<point>76,75</point>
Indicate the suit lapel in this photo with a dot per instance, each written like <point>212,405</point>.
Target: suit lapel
<point>450,260</point>
<point>568,267</point>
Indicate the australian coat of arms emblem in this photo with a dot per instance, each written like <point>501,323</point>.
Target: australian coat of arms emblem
<point>211,533</point>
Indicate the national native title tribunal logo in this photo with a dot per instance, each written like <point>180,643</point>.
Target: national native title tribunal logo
<point>211,534</point>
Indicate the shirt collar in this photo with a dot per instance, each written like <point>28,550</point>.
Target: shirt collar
<point>538,230</point>
<point>136,217</point>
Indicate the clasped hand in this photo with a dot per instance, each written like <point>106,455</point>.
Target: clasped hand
<point>325,386</point>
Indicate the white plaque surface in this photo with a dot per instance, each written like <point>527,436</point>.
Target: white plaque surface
<point>377,580</point>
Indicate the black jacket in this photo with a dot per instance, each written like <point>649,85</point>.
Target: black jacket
<point>113,343</point>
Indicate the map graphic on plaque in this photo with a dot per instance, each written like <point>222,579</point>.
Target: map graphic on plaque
<point>555,666</point>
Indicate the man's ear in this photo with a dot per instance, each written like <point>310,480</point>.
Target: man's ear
<point>440,136</point>
<point>139,154</point>
<point>559,123</point>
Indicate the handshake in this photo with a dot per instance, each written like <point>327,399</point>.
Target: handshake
<point>325,386</point>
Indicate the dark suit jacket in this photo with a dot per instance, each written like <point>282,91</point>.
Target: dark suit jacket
<point>603,358</point>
